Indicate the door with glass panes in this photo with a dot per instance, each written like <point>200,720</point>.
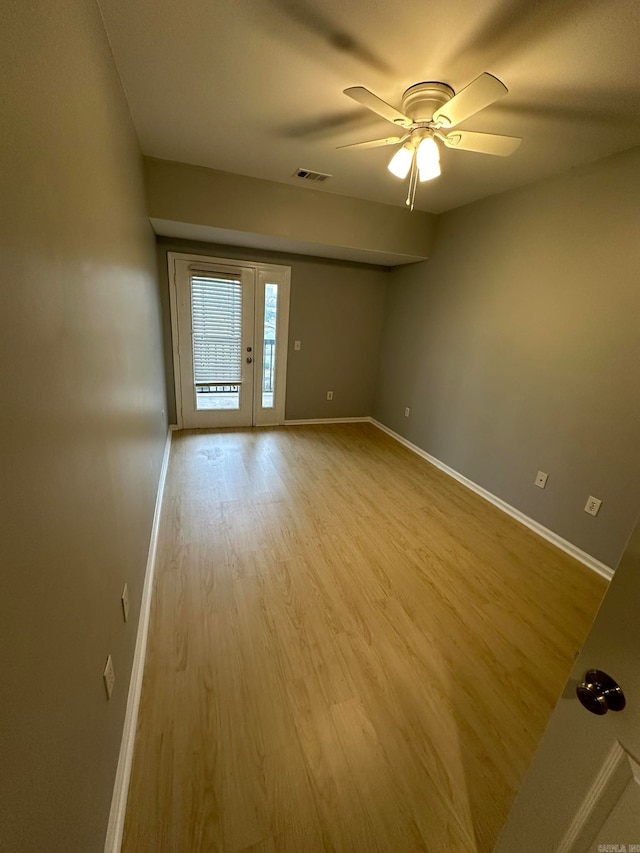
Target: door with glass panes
<point>230,333</point>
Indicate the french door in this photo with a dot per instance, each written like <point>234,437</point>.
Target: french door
<point>229,325</point>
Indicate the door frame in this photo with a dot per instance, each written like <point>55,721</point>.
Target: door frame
<point>262,272</point>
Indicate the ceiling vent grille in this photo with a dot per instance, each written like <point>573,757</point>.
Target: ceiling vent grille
<point>308,175</point>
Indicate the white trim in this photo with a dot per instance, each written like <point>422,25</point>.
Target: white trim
<point>544,532</point>
<point>304,421</point>
<point>115,826</point>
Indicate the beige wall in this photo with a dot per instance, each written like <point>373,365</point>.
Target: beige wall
<point>81,424</point>
<point>336,311</point>
<point>179,193</point>
<point>517,347</point>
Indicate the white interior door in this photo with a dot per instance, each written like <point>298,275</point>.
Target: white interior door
<point>230,329</point>
<point>582,791</point>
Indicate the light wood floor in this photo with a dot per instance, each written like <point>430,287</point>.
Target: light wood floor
<point>348,650</point>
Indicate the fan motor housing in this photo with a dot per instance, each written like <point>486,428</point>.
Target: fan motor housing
<point>420,101</point>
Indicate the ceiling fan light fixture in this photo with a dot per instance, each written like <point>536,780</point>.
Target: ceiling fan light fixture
<point>400,163</point>
<point>428,159</point>
<point>428,108</point>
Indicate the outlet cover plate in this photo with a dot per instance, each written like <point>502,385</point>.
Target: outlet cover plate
<point>593,505</point>
<point>109,677</point>
<point>541,479</point>
<point>329,395</point>
<point>125,602</point>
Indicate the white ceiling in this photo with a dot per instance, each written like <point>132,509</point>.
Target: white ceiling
<point>255,86</point>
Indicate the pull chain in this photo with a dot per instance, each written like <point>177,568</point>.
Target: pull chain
<point>413,184</point>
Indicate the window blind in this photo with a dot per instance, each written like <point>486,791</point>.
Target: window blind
<point>216,318</point>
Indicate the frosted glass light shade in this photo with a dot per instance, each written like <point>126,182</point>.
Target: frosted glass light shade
<point>400,163</point>
<point>428,158</point>
<point>428,174</point>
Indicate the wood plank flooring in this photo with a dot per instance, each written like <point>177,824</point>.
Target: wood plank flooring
<point>348,651</point>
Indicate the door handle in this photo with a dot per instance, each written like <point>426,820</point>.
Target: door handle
<point>599,693</point>
<point>249,360</point>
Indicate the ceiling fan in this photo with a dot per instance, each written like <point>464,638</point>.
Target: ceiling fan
<point>429,112</point>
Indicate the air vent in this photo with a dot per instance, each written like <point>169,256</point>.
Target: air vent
<point>308,175</point>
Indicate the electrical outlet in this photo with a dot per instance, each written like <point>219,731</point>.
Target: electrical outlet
<point>329,395</point>
<point>109,677</point>
<point>593,505</point>
<point>407,412</point>
<point>541,479</point>
<point>125,602</point>
<point>297,345</point>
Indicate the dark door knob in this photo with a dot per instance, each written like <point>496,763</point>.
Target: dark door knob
<point>599,693</point>
<point>249,359</point>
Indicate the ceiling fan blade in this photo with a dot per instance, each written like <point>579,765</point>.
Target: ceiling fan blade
<point>481,92</point>
<point>375,143</point>
<point>377,105</point>
<point>482,143</point>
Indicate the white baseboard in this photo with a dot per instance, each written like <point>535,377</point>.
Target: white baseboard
<point>115,826</point>
<point>303,421</point>
<point>549,535</point>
